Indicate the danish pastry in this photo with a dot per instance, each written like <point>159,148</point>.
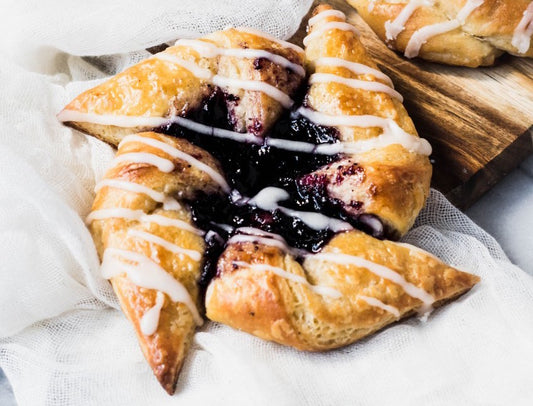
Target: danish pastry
<point>244,176</point>
<point>456,32</point>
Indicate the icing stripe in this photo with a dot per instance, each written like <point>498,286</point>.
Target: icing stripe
<point>324,14</point>
<point>150,319</point>
<point>409,142</point>
<point>372,301</point>
<point>288,145</point>
<point>268,198</point>
<point>333,25</point>
<point>176,249</point>
<point>355,84</point>
<point>379,270</point>
<point>357,68</point>
<point>169,203</point>
<point>146,274</point>
<point>260,237</point>
<point>392,132</point>
<point>261,34</point>
<point>164,165</point>
<point>222,81</point>
<point>141,216</point>
<point>395,27</point>
<point>421,36</point>
<point>176,153</point>
<point>200,73</point>
<point>209,50</point>
<point>524,30</point>
<point>254,85</point>
<point>321,290</point>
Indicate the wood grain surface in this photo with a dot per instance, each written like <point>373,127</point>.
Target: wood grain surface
<point>479,121</point>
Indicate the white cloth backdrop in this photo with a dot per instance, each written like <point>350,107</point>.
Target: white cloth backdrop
<point>63,340</point>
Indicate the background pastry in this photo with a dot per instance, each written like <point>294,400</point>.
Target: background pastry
<point>458,32</point>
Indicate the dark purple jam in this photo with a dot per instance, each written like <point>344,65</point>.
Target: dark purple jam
<point>250,168</point>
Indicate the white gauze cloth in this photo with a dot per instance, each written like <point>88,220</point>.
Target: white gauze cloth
<point>63,339</point>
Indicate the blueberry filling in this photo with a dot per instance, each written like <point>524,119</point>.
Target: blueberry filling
<point>250,168</point>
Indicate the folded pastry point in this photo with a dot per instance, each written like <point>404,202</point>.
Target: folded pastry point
<point>459,32</point>
<point>385,176</point>
<point>150,248</point>
<point>254,74</point>
<point>355,286</point>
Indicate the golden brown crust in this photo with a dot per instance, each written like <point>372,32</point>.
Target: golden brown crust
<point>287,312</point>
<point>163,88</point>
<point>394,183</point>
<point>486,34</point>
<point>166,348</point>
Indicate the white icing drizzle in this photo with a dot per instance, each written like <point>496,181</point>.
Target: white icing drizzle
<point>176,153</point>
<point>421,36</point>
<point>112,119</point>
<point>409,142</point>
<point>225,227</point>
<point>145,273</point>
<point>257,236</point>
<point>381,271</point>
<point>150,319</point>
<point>169,203</point>
<point>357,68</point>
<point>200,73</point>
<point>215,132</point>
<point>141,216</point>
<point>268,198</point>
<point>217,80</point>
<point>209,50</point>
<point>254,85</point>
<point>176,249</point>
<point>392,132</point>
<point>288,145</point>
<point>261,233</point>
<point>372,301</point>
<point>164,165</point>
<point>325,14</point>
<point>355,84</point>
<point>371,5</point>
<point>321,290</point>
<point>259,240</point>
<point>467,9</point>
<point>261,34</point>
<point>524,30</point>
<point>395,27</point>
<point>332,25</point>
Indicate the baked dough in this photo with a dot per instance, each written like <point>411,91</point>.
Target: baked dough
<point>254,299</point>
<point>484,30</point>
<point>176,81</point>
<point>128,226</point>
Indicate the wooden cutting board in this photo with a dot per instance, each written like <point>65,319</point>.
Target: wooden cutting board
<point>479,121</point>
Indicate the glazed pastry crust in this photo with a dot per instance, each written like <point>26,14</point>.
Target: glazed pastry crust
<point>277,309</point>
<point>162,88</point>
<point>392,183</point>
<point>487,33</point>
<point>165,350</point>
